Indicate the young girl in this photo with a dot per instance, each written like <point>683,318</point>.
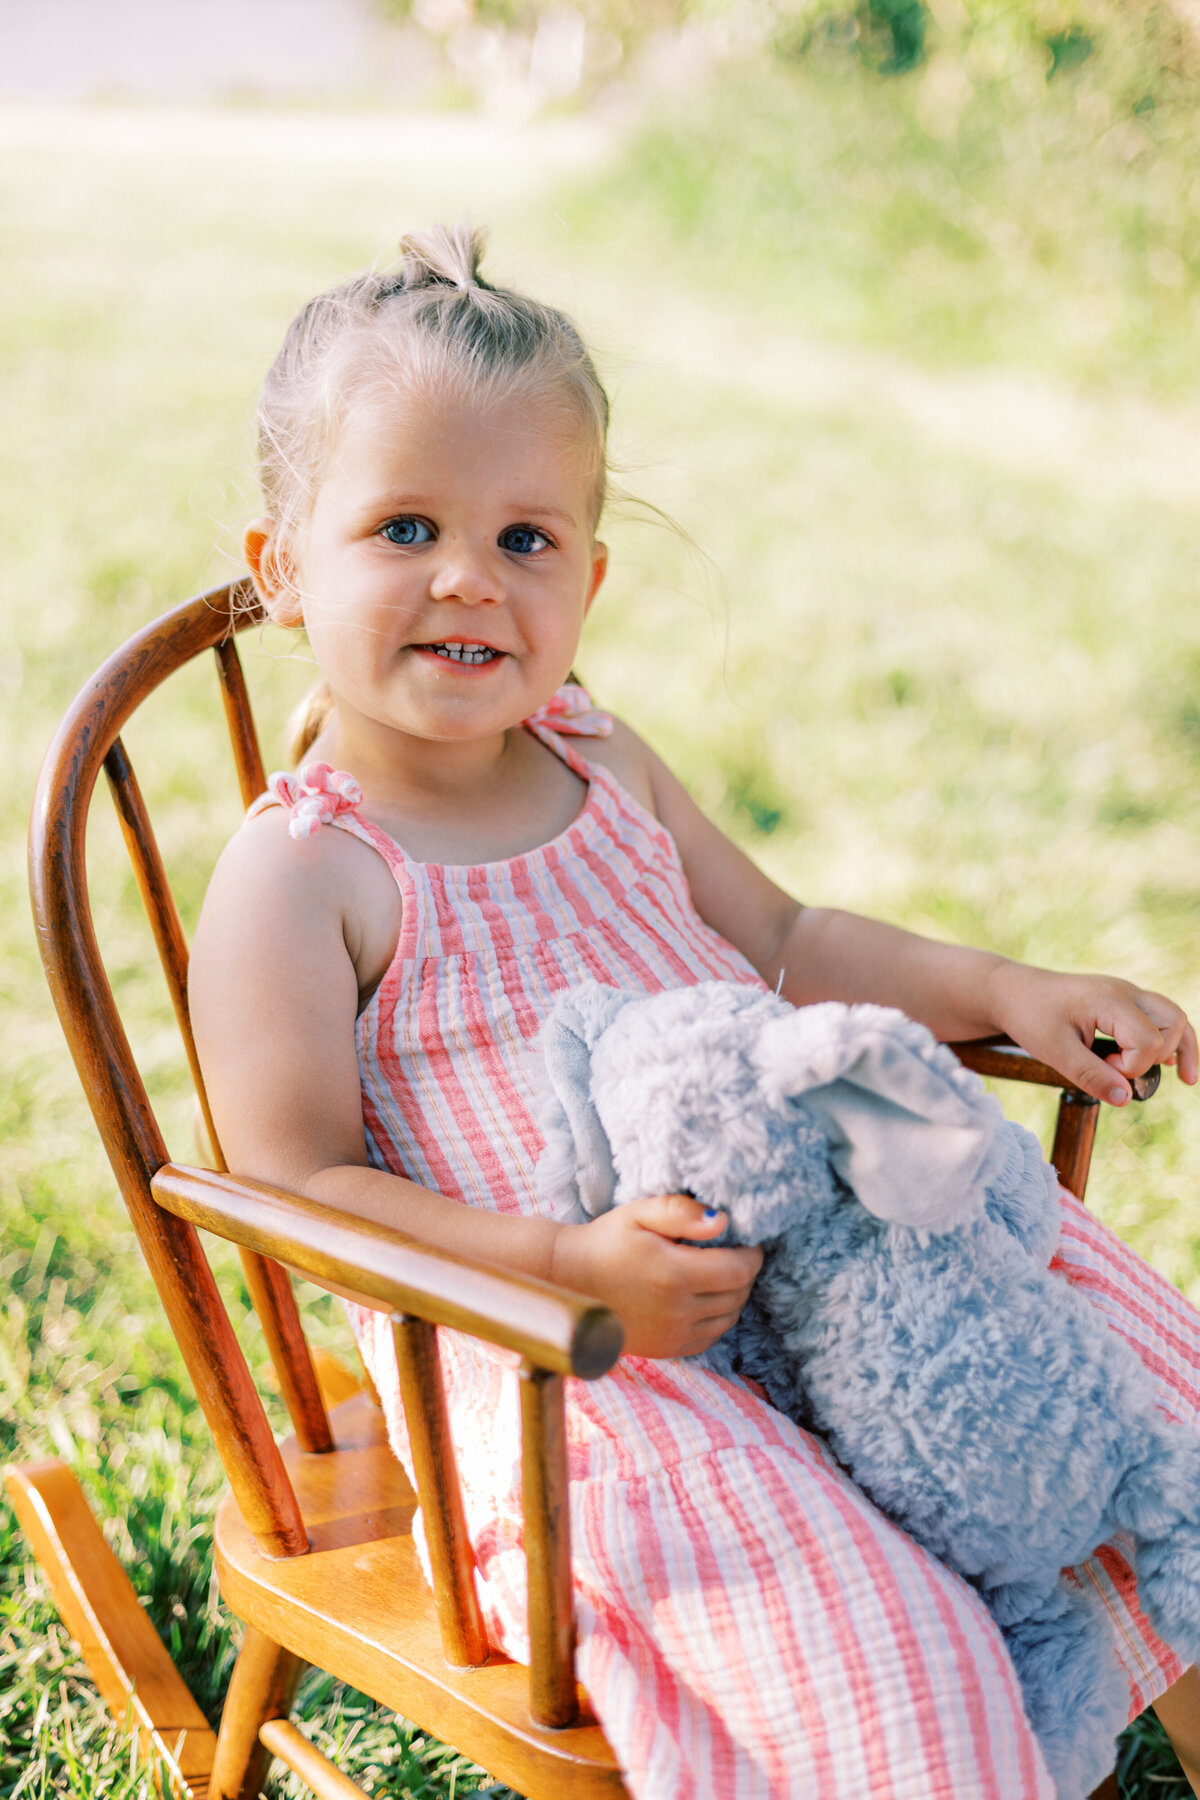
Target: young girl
<point>433,466</point>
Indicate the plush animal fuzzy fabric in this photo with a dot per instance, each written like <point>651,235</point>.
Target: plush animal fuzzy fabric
<point>904,1309</point>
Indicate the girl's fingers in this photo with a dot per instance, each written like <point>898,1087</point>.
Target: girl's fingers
<point>721,1274</point>
<point>1178,1036</point>
<point>677,1216</point>
<point>1149,1029</point>
<point>714,1275</point>
<point>1136,1031</point>
<point>1095,1076</point>
<point>709,1330</point>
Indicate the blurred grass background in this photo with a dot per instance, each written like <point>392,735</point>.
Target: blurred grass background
<point>898,306</point>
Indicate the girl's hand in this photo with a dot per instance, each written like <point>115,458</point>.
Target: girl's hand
<point>672,1297</point>
<point>1055,1018</point>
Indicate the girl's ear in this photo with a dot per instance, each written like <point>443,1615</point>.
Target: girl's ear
<point>599,570</point>
<point>273,570</point>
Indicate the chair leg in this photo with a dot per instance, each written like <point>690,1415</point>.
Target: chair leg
<point>1179,1715</point>
<point>265,1678</point>
<point>1179,1712</point>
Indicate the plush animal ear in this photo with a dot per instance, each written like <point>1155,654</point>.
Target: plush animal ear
<point>910,1130</point>
<point>575,1172</point>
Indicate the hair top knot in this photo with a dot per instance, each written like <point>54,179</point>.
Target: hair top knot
<point>446,256</point>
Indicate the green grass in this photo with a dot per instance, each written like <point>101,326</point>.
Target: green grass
<point>944,666</point>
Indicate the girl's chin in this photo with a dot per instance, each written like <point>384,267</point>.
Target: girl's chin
<point>448,718</point>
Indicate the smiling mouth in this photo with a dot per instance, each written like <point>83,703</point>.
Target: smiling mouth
<point>473,654</point>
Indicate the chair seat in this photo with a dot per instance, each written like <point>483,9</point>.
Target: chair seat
<point>358,1606</point>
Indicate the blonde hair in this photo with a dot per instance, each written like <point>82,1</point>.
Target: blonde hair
<point>430,322</point>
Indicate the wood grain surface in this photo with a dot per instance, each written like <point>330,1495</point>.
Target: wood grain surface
<point>358,1604</point>
<point>263,1686</point>
<point>464,1641</point>
<point>553,1696</point>
<point>544,1324</point>
<point>125,1656</point>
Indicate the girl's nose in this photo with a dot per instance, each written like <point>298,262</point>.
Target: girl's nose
<point>467,574</point>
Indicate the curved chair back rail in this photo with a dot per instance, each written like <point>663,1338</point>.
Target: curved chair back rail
<point>554,1333</point>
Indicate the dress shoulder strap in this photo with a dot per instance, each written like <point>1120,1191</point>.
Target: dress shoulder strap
<point>570,713</point>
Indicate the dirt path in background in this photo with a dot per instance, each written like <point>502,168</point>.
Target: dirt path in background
<point>531,154</point>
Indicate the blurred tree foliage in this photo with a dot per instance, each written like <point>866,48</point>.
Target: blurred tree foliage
<point>962,183</point>
<point>1012,179</point>
<point>1151,48</point>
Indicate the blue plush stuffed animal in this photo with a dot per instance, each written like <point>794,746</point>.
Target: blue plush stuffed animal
<point>904,1309</point>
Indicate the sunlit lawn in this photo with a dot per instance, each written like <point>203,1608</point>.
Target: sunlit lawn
<point>940,660</point>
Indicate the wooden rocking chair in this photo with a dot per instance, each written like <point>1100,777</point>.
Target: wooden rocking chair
<point>313,1541</point>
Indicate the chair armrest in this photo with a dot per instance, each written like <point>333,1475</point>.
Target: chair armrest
<point>1003,1060</point>
<point>548,1326</point>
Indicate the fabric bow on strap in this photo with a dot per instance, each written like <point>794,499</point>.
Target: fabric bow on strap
<point>571,713</point>
<point>316,797</point>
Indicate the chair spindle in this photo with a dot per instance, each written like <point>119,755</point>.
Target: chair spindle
<point>464,1641</point>
<point>269,1284</point>
<point>159,903</point>
<point>247,756</point>
<point>553,1697</point>
<point>302,1757</point>
<point>1074,1136</point>
<point>273,1300</point>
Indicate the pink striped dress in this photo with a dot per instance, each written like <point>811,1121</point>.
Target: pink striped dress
<point>750,1627</point>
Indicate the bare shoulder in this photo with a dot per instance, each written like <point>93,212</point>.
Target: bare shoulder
<point>274,987</point>
<point>274,898</point>
<point>267,875</point>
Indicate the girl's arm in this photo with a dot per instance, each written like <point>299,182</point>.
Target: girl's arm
<point>818,953</point>
<point>274,993</point>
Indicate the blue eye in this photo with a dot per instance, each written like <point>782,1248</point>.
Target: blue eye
<point>405,531</point>
<point>523,540</point>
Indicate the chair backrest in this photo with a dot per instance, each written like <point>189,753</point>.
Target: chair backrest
<point>88,740</point>
<point>555,1334</point>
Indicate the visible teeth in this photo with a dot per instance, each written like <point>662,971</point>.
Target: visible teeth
<point>464,653</point>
